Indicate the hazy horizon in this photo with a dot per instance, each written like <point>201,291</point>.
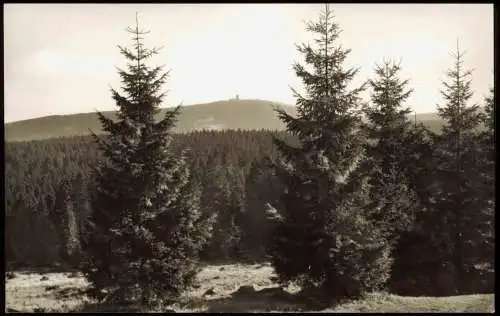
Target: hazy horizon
<point>60,58</point>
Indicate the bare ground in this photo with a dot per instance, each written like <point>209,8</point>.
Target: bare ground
<point>221,288</point>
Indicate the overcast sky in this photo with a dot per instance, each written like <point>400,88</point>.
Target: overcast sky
<point>61,58</point>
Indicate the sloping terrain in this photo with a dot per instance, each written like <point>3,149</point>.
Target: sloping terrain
<point>230,114</point>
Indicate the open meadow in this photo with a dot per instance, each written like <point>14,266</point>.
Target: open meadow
<point>221,288</point>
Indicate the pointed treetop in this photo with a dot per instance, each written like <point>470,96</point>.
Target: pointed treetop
<point>137,30</point>
<point>458,55</point>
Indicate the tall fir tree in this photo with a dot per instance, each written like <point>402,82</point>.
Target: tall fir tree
<point>488,146</point>
<point>489,119</point>
<point>322,239</point>
<point>459,198</point>
<point>145,230</point>
<point>488,175</point>
<point>392,201</point>
<point>415,269</point>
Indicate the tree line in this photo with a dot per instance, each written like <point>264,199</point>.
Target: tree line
<point>44,178</point>
<point>340,205</point>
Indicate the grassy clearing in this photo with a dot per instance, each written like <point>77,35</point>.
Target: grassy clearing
<point>221,288</point>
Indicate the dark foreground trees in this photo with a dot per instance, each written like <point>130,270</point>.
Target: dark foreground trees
<point>34,179</point>
<point>453,240</point>
<point>388,130</point>
<point>488,171</point>
<point>322,239</point>
<point>146,228</point>
<point>464,211</point>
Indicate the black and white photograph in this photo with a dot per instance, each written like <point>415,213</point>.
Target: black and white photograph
<point>249,157</point>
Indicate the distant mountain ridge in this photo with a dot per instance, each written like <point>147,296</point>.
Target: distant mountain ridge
<point>229,114</point>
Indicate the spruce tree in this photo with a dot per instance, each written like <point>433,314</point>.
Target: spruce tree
<point>489,119</point>
<point>322,239</point>
<point>488,146</point>
<point>459,197</point>
<point>65,219</point>
<point>488,175</point>
<point>145,230</point>
<point>417,263</point>
<point>392,201</point>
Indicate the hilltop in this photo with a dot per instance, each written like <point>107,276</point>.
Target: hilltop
<point>229,114</point>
